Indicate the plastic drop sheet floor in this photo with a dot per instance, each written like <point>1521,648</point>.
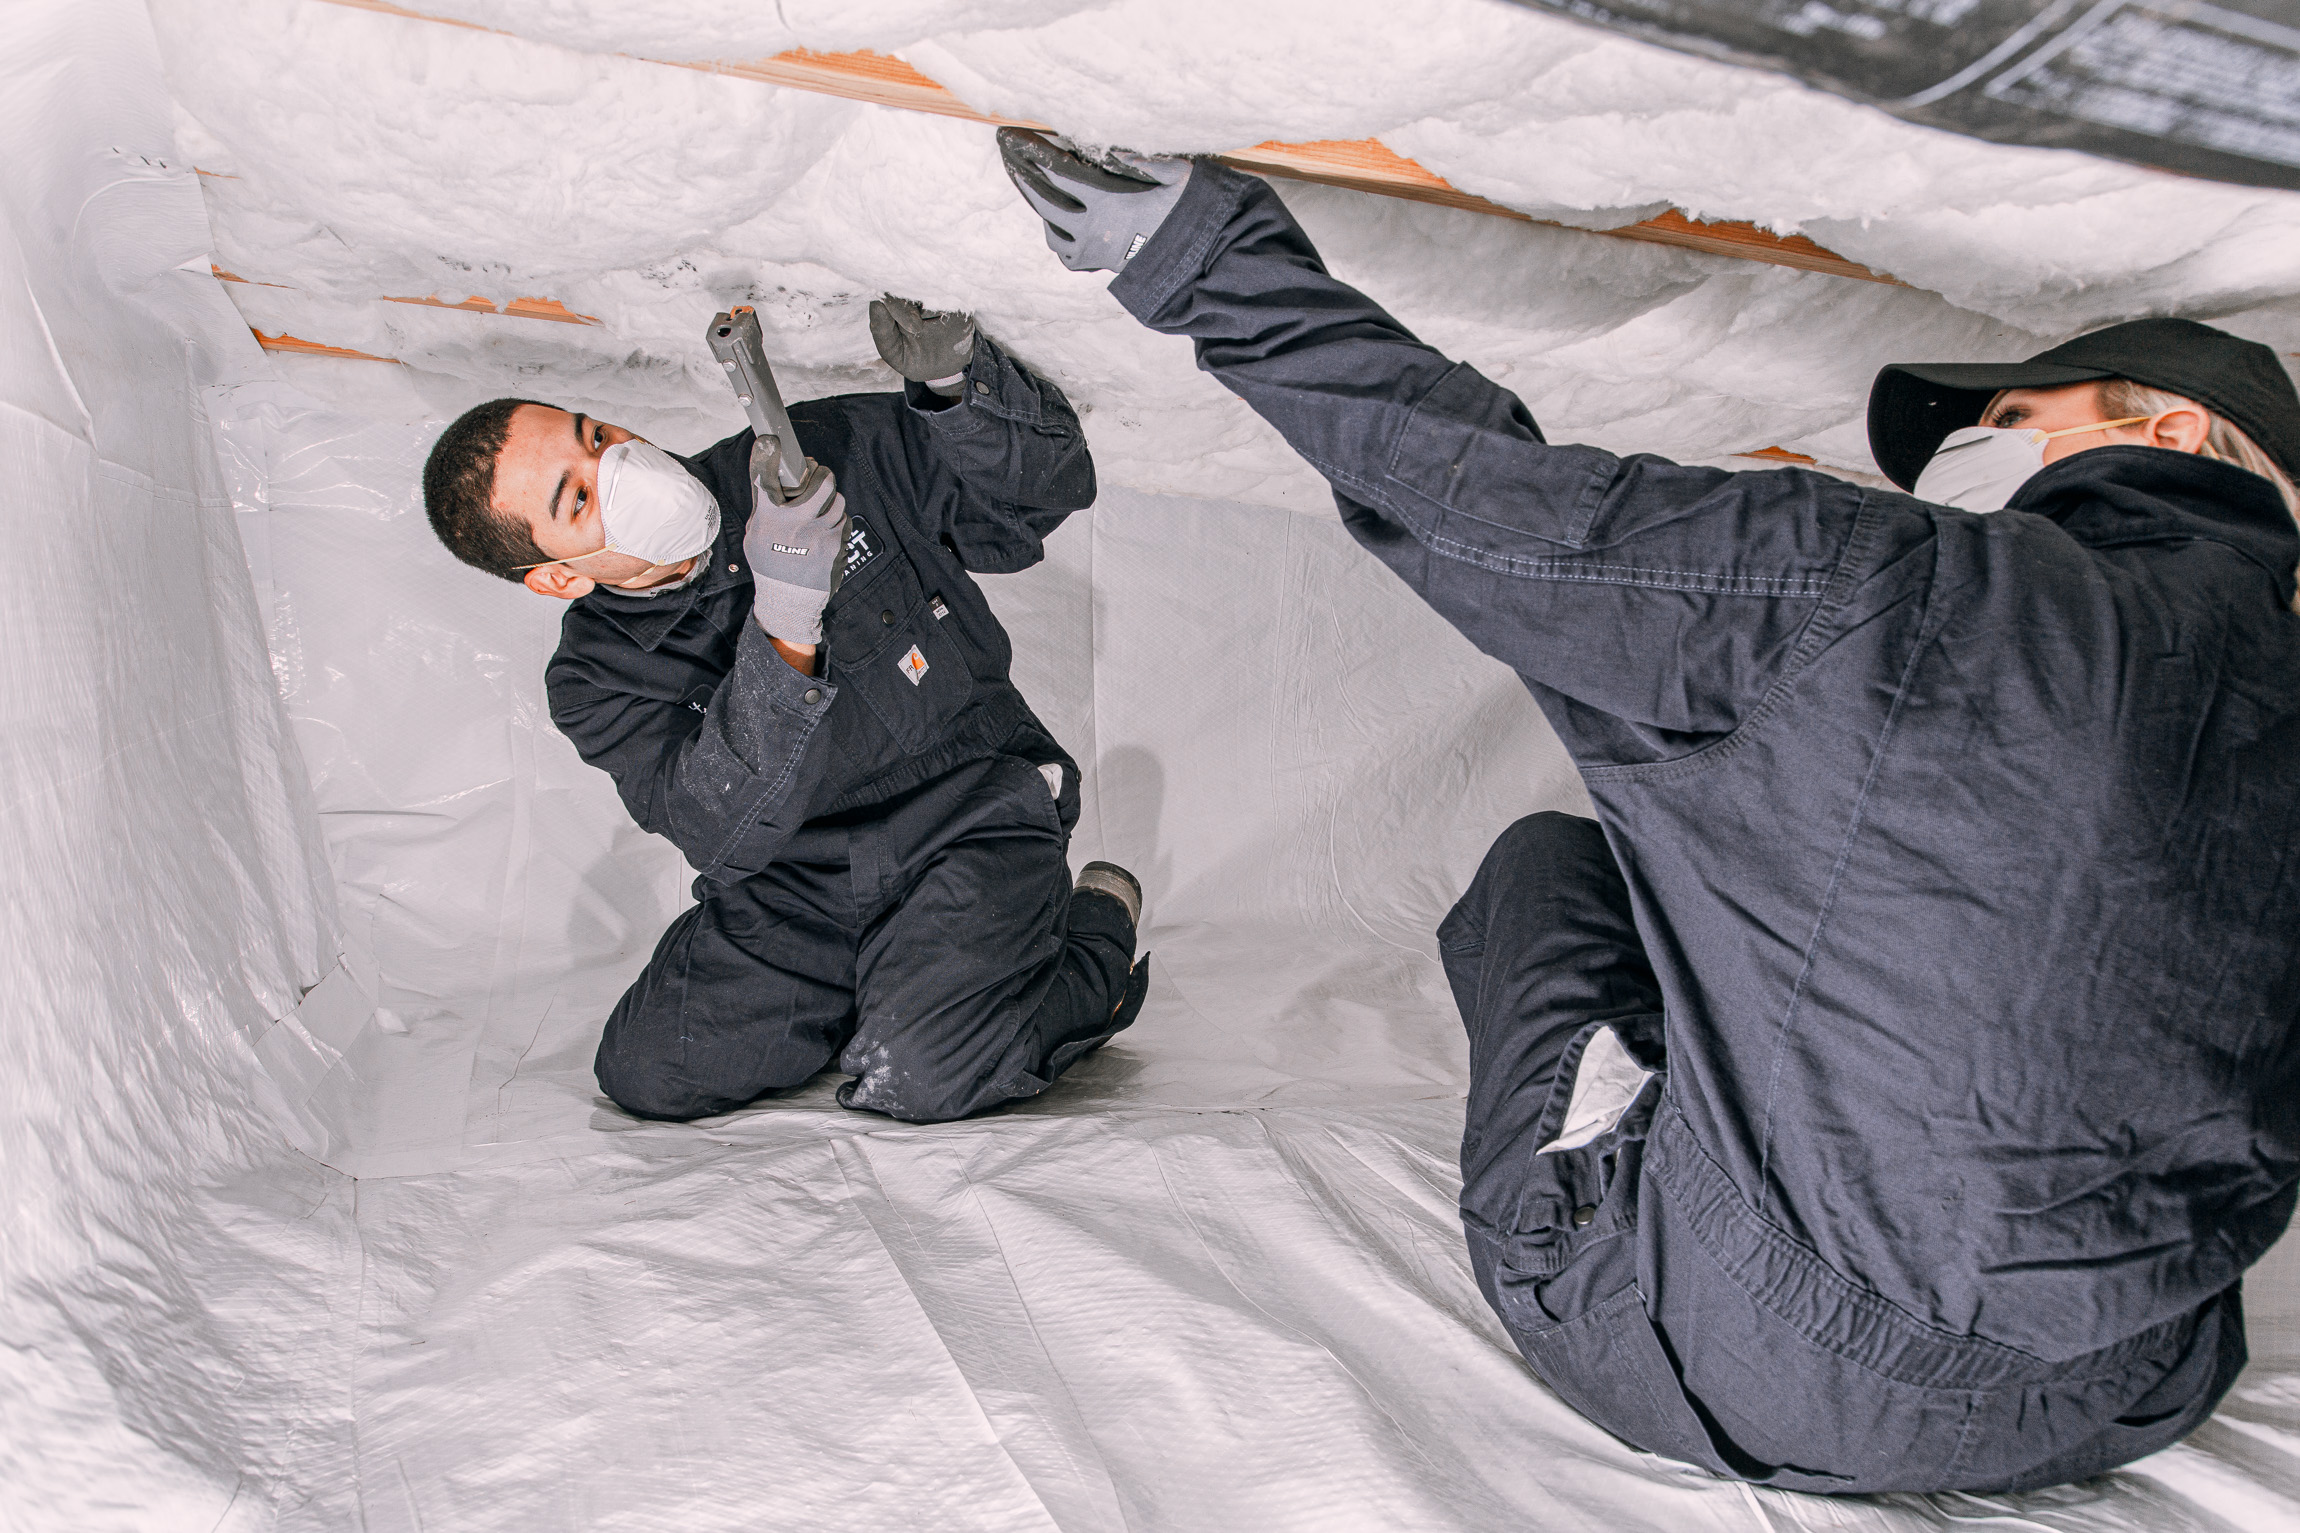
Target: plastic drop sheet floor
<point>1212,1280</point>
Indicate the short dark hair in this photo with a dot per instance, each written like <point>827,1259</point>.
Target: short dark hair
<point>459,492</point>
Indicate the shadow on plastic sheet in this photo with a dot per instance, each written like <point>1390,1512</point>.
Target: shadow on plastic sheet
<point>1128,806</point>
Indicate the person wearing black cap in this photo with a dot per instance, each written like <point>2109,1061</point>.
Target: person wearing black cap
<point>1970,434</point>
<point>1889,1089</point>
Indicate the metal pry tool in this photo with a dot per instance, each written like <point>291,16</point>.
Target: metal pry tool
<point>736,342</point>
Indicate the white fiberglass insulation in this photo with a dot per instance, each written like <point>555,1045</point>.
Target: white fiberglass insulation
<point>317,1220</point>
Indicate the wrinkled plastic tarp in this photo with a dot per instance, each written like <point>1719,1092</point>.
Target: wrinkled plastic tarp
<point>162,1251</point>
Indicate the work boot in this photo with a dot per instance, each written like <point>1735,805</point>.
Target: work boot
<point>1107,878</point>
<point>1114,882</point>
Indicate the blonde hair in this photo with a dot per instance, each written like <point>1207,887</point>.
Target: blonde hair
<point>2224,440</point>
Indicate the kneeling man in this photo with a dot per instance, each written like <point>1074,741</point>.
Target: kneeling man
<point>811,701</point>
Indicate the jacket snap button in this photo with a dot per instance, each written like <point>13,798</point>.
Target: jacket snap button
<point>887,618</point>
<point>814,694</point>
<point>1584,1214</point>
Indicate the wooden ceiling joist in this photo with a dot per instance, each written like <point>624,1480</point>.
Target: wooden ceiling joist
<point>518,308</point>
<point>1361,165</point>
<point>1369,165</point>
<point>298,346</point>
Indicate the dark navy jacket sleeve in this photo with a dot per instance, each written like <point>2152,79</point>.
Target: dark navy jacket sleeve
<point>720,767</point>
<point>1001,467</point>
<point>1595,576</point>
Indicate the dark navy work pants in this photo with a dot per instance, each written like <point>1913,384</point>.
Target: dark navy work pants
<point>930,946</point>
<point>1642,1288</point>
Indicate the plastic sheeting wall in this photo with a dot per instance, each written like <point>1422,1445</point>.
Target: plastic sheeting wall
<point>165,907</point>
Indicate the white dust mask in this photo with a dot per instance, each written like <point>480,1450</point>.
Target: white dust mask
<point>651,507</point>
<point>1980,467</point>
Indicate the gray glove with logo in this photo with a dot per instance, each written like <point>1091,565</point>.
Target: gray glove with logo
<point>797,550</point>
<point>1099,213</point>
<point>922,345</point>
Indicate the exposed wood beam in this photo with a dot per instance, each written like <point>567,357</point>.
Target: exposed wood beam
<point>304,348</point>
<point>518,308</point>
<point>396,10</point>
<point>1361,165</point>
<point>874,77</point>
<point>233,276</point>
<point>1369,165</point>
<point>1751,243</point>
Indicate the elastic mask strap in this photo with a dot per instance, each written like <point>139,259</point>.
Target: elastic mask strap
<point>2129,420</point>
<point>571,558</point>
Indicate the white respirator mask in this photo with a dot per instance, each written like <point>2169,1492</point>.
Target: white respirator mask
<point>1980,467</point>
<point>650,506</point>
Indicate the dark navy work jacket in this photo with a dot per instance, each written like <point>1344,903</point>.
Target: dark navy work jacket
<point>716,742</point>
<point>1966,848</point>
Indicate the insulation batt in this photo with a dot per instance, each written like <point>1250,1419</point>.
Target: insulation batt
<point>379,155</point>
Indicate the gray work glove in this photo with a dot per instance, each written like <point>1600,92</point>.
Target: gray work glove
<point>1099,213</point>
<point>797,551</point>
<point>922,345</point>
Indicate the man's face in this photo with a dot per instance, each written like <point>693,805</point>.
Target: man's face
<point>547,476</point>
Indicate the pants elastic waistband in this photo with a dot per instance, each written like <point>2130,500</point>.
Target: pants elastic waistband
<point>1792,1282</point>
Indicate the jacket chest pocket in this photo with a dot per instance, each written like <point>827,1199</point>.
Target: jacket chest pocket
<point>905,662</point>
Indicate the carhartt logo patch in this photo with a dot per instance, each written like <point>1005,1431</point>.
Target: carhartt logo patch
<point>861,547</point>
<point>913,665</point>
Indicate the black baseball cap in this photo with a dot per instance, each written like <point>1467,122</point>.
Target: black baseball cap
<point>1913,405</point>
